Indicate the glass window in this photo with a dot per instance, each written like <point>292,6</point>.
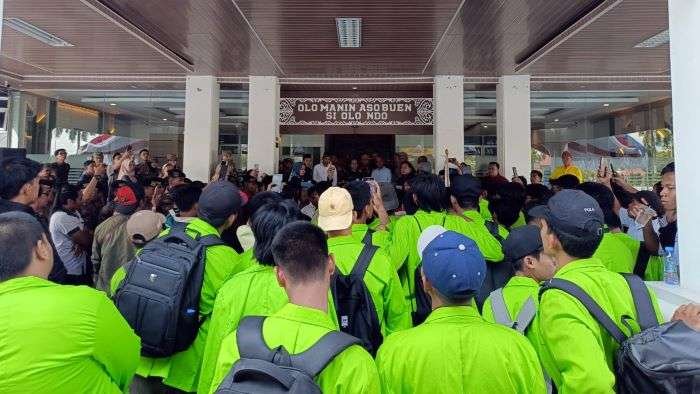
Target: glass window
<point>632,130</point>
<point>233,123</point>
<point>84,121</point>
<point>480,130</point>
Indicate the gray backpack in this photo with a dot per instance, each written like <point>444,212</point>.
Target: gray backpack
<point>501,316</point>
<point>267,371</point>
<point>521,323</point>
<point>660,358</point>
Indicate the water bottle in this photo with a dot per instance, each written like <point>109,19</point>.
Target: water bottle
<point>671,276</point>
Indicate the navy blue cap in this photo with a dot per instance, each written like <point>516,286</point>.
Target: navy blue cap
<point>465,186</point>
<point>522,241</point>
<point>218,201</point>
<point>572,212</point>
<point>452,263</point>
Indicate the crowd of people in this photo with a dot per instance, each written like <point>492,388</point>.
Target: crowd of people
<point>434,277</point>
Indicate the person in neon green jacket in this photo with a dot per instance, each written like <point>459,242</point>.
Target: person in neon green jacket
<point>366,204</point>
<point>304,270</point>
<point>68,339</point>
<point>455,350</point>
<point>577,353</point>
<point>218,206</point>
<point>523,249</point>
<point>428,194</point>
<point>335,216</point>
<point>465,191</point>
<point>613,250</point>
<point>254,291</point>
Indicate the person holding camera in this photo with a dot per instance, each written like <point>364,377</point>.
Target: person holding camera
<point>226,169</point>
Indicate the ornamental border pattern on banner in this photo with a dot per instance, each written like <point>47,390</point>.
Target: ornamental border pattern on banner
<point>424,111</point>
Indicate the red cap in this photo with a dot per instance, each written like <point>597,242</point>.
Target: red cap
<point>125,196</point>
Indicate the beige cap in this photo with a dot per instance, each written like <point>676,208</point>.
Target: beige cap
<point>335,209</point>
<point>144,224</point>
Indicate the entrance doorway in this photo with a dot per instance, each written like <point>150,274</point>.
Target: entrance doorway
<point>348,146</point>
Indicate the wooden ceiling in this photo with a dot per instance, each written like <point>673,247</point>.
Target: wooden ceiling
<point>297,40</point>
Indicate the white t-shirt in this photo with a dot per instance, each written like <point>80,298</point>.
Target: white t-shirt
<point>61,227</point>
<point>634,230</point>
<point>321,174</point>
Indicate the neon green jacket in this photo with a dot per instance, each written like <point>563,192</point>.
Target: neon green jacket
<point>484,209</point>
<point>63,339</point>
<point>403,249</point>
<point>520,222</point>
<point>297,328</point>
<point>381,280</point>
<point>389,226</point>
<point>614,254</point>
<point>182,369</point>
<point>253,292</point>
<point>655,266</point>
<point>456,351</point>
<point>577,352</point>
<point>480,227</point>
<point>380,238</point>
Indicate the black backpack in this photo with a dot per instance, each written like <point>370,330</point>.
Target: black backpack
<point>660,358</point>
<point>159,297</point>
<point>264,370</point>
<point>497,273</point>
<point>354,307</point>
<point>423,303</point>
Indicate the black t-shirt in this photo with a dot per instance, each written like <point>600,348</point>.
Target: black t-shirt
<point>667,235</point>
<point>351,175</point>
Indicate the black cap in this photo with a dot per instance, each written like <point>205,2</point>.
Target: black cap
<point>465,186</point>
<point>522,241</point>
<point>218,201</point>
<point>360,193</point>
<point>572,212</point>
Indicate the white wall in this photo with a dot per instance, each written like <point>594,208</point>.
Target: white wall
<point>201,126</point>
<point>685,80</point>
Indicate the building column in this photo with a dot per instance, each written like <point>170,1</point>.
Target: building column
<point>201,127</point>
<point>513,125</point>
<point>685,79</point>
<point>448,118</point>
<point>263,123</point>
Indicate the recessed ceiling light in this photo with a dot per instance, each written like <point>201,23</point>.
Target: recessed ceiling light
<point>354,88</point>
<point>486,126</point>
<point>164,119</point>
<point>112,104</point>
<point>349,32</point>
<point>606,105</point>
<point>655,41</point>
<point>556,120</point>
<point>27,28</point>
